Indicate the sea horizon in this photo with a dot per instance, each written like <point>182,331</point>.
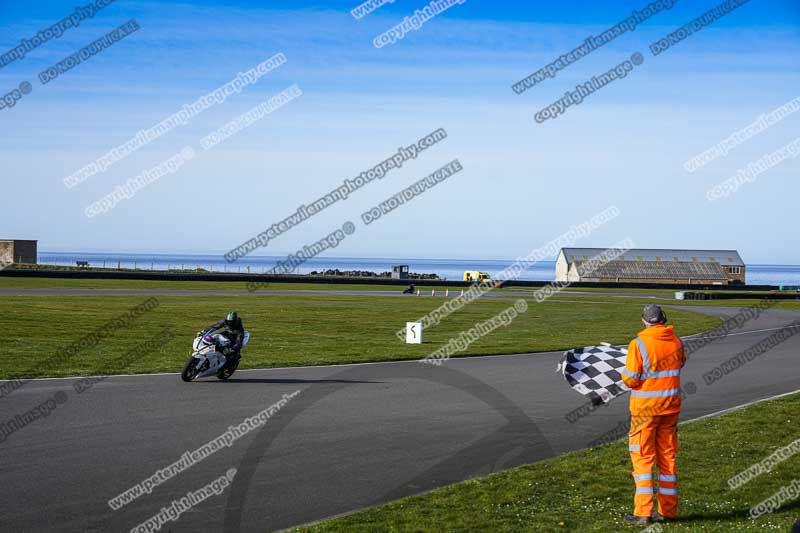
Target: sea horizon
<point>446,269</point>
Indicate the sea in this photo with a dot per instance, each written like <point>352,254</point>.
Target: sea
<point>449,269</point>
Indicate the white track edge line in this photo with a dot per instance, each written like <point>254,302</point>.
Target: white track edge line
<point>469,357</point>
<point>737,407</point>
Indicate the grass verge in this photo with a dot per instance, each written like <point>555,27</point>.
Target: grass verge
<point>139,284</point>
<point>590,490</point>
<point>295,330</point>
<point>735,302</point>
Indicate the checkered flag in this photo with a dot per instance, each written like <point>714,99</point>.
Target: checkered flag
<point>594,371</point>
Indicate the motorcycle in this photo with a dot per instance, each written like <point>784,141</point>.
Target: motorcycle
<point>207,359</point>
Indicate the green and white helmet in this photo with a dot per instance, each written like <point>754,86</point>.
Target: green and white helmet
<point>231,318</point>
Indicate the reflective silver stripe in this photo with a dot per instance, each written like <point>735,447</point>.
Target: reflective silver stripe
<point>645,357</point>
<point>667,477</point>
<point>666,491</point>
<point>646,363</point>
<point>665,374</point>
<point>643,477</point>
<point>633,375</point>
<point>645,490</point>
<point>633,448</point>
<point>655,393</point>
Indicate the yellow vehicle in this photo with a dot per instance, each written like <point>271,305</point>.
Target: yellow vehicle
<point>476,276</point>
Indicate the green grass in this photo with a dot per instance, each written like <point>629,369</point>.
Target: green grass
<point>135,284</point>
<point>591,490</point>
<point>296,330</point>
<point>741,302</point>
<point>68,283</point>
<point>71,283</point>
<point>601,290</point>
<point>781,304</point>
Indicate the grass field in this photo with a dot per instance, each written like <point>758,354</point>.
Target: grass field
<point>600,290</point>
<point>70,283</point>
<point>591,490</point>
<point>295,330</point>
<point>743,302</point>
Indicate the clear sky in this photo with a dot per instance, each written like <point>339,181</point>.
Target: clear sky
<point>523,182</point>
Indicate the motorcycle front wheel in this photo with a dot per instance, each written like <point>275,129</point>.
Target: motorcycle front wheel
<point>190,370</point>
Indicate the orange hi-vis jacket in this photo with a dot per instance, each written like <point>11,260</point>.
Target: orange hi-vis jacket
<point>653,371</point>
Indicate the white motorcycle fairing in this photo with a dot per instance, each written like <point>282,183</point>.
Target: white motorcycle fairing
<point>206,360</point>
<point>203,352</point>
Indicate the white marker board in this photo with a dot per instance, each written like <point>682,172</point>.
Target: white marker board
<point>413,332</point>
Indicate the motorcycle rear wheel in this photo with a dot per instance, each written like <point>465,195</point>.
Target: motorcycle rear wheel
<point>225,373</point>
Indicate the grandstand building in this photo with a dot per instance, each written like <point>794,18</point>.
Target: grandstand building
<point>706,267</point>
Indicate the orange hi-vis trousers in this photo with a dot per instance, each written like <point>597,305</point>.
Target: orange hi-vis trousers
<point>653,440</point>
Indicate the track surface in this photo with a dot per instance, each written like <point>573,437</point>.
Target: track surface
<point>355,436</point>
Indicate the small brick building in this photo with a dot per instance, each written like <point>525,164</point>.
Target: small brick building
<point>18,251</point>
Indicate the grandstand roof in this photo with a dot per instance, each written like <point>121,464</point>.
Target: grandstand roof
<point>723,257</point>
<point>655,270</point>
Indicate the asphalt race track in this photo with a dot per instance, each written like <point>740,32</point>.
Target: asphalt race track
<point>355,436</point>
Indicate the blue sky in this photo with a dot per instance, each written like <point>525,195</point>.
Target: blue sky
<point>523,183</point>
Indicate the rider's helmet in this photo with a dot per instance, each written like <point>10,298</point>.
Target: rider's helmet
<point>208,339</point>
<point>231,318</point>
